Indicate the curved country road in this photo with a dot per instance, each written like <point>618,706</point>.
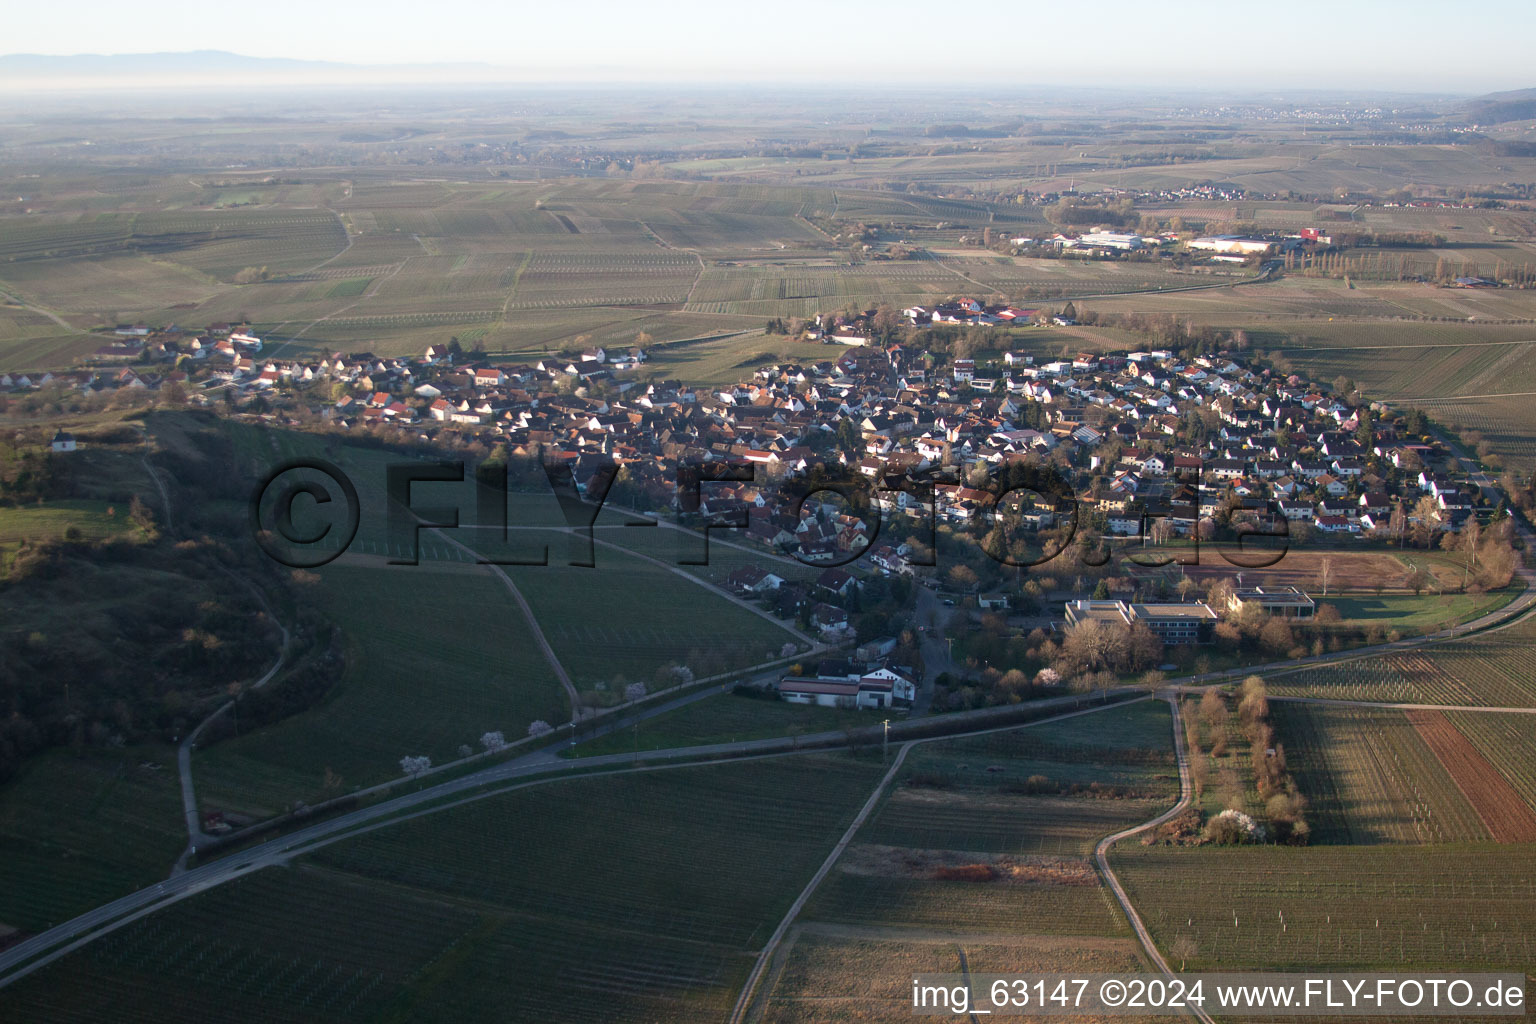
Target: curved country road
<point>1101,852</point>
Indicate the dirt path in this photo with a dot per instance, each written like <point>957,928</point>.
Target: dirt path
<point>577,709</point>
<point>40,311</point>
<point>189,806</point>
<point>165,497</point>
<point>750,989</point>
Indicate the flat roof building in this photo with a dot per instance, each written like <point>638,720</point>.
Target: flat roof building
<point>1286,602</point>
<point>1189,622</point>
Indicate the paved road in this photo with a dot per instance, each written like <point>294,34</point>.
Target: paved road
<point>1516,611</point>
<point>765,956</point>
<point>1101,852</point>
<point>538,767</point>
<point>546,765</point>
<point>930,608</point>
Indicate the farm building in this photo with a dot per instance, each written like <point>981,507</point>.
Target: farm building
<point>63,442</point>
<point>836,693</point>
<point>833,687</point>
<point>1111,240</point>
<point>1231,244</point>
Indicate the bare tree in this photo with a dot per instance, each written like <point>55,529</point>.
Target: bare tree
<point>1183,947</point>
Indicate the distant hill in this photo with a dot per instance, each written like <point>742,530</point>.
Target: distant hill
<point>1497,107</point>
<point>197,61</point>
<point>215,67</point>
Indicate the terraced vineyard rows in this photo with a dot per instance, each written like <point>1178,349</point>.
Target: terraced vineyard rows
<point>1506,816</point>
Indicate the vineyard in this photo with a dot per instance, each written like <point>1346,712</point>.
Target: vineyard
<point>1508,741</point>
<point>626,617</point>
<point>79,831</point>
<point>838,974</point>
<point>634,896</point>
<point>283,962</point>
<point>554,281</point>
<point>1460,908</point>
<point>1369,778</point>
<point>404,691</point>
<point>962,847</point>
<point>1496,669</point>
<point>1506,815</point>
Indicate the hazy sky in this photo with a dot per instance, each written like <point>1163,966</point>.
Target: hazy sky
<point>1354,43</point>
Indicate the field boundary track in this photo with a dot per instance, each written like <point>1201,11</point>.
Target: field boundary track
<point>1101,851</point>
<point>749,990</point>
<point>1508,818</point>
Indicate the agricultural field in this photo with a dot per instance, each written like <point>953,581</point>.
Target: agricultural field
<point>1370,778</point>
<point>1508,818</point>
<point>67,518</point>
<point>625,618</point>
<point>833,972</point>
<point>539,222</point>
<point>1380,573</point>
<point>726,552</point>
<point>967,843</point>
<point>1492,669</point>
<point>1508,742</point>
<point>78,829</point>
<point>404,691</point>
<point>635,896</point>
<point>1457,907</point>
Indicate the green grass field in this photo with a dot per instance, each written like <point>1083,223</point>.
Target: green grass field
<point>64,519</point>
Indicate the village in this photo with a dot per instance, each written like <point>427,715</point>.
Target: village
<point>1146,449</point>
<point>1152,445</point>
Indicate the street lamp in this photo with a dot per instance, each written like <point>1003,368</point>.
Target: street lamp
<point>885,743</point>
